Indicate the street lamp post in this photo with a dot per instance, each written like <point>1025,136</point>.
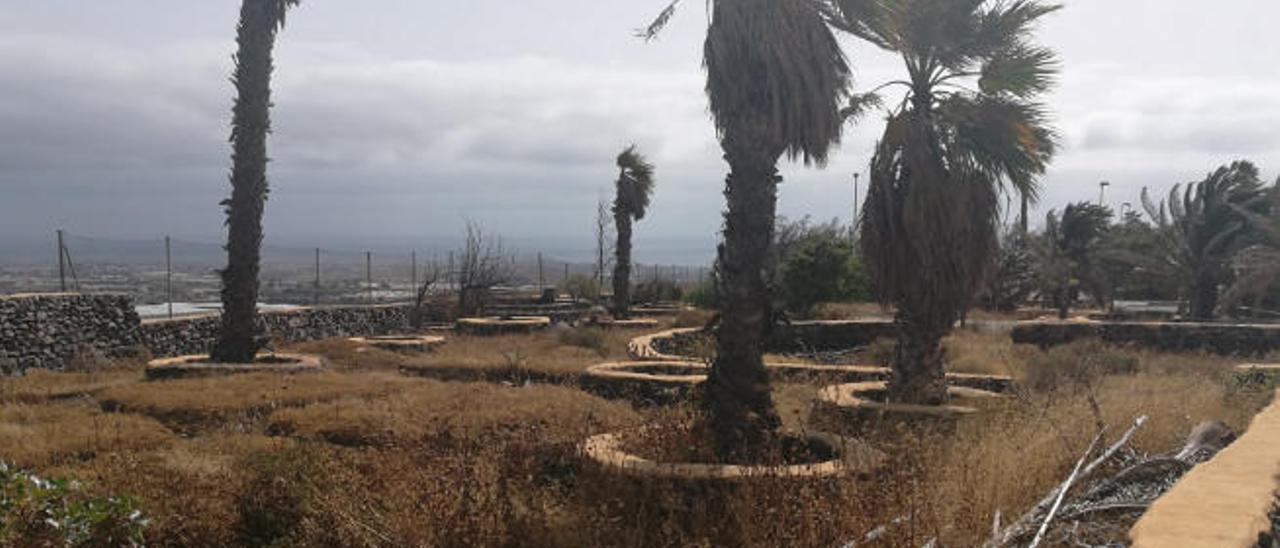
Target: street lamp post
<point>1102,192</point>
<point>853,228</point>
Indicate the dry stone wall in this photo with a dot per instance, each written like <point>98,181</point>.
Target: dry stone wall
<point>1241,340</point>
<point>166,338</point>
<point>49,331</point>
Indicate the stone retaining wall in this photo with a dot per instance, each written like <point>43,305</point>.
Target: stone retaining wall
<point>49,331</point>
<point>166,338</point>
<point>829,335</point>
<point>1245,340</point>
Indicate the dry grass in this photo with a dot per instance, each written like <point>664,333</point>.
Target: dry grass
<point>464,410</point>
<point>32,435</point>
<point>849,311</point>
<point>344,355</point>
<point>969,351</point>
<point>237,402</point>
<point>38,386</point>
<point>542,355</point>
<point>360,456</point>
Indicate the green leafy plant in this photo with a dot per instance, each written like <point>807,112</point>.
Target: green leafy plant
<point>35,511</point>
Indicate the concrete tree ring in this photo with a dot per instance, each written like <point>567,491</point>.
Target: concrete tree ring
<point>852,458</point>
<point>202,366</point>
<point>503,326</point>
<point>401,343</point>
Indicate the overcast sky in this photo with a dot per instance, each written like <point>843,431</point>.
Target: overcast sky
<point>396,120</point>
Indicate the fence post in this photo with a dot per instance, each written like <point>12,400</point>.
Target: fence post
<point>62,263</point>
<point>168,275</point>
<point>368,274</point>
<point>315,288</point>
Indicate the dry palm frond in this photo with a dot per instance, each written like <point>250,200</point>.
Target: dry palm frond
<point>776,73</point>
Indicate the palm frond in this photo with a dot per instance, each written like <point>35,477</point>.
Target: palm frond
<point>650,32</point>
<point>776,72</point>
<point>635,183</point>
<point>859,105</point>
<point>1008,139</point>
<point>1022,71</point>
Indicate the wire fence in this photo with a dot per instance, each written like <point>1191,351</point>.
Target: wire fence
<point>169,276</point>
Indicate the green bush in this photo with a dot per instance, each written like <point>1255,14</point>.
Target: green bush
<point>591,338</point>
<point>817,265</point>
<point>1078,364</point>
<point>704,295</point>
<point>581,286</point>
<point>656,290</point>
<point>50,512</point>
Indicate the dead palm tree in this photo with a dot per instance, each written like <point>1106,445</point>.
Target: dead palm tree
<point>776,82</point>
<point>1200,229</point>
<point>634,186</point>
<point>260,20</point>
<point>968,128</point>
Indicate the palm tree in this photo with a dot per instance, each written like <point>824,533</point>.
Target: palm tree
<point>1258,266</point>
<point>260,20</point>
<point>635,185</point>
<point>776,81</point>
<point>947,153</point>
<point>1200,229</point>
<point>1067,254</point>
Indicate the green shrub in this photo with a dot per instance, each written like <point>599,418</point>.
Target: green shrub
<point>590,338</point>
<point>49,512</point>
<point>656,290</point>
<point>704,295</point>
<point>818,264</point>
<point>1078,364</point>
<point>581,286</point>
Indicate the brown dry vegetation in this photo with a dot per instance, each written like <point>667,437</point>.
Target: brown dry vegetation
<point>542,356</point>
<point>364,456</point>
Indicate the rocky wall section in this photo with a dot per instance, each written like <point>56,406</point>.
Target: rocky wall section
<point>50,331</point>
<point>1240,340</point>
<point>167,338</point>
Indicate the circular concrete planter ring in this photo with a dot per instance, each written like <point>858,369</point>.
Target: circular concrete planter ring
<point>860,395</point>
<point>632,323</point>
<point>501,326</point>
<point>855,408</point>
<point>641,348</point>
<point>853,457</point>
<point>401,343</point>
<point>200,366</point>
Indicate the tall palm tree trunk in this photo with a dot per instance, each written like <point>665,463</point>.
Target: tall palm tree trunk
<point>622,265</point>
<point>737,390</point>
<point>919,373</point>
<point>256,33</point>
<point>1204,296</point>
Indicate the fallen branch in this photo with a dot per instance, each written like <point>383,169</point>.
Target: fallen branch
<point>1062,489</point>
<point>1023,525</point>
